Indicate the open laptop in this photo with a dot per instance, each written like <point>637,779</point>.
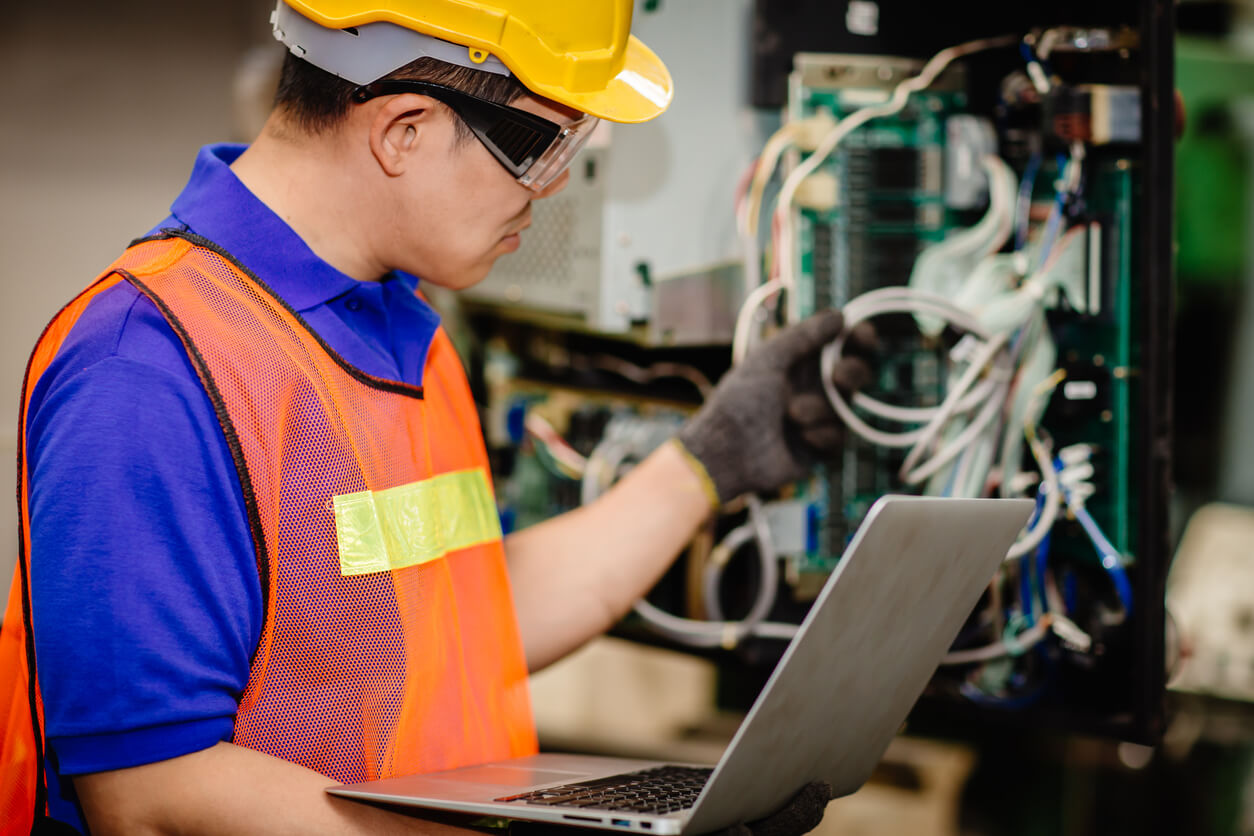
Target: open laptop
<point>909,578</point>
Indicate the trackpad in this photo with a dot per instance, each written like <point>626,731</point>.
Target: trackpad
<point>513,776</point>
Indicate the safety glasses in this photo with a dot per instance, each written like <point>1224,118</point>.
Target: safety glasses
<point>533,149</point>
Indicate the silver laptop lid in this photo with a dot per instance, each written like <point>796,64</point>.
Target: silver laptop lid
<point>908,580</point>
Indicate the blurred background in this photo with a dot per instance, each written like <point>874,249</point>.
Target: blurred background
<point>105,106</point>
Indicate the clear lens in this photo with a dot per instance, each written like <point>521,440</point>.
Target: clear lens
<point>556,158</point>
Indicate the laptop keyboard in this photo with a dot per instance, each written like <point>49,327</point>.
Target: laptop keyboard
<point>662,789</point>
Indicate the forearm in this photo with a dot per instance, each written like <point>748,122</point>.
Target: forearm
<point>574,576</point>
<point>228,789</point>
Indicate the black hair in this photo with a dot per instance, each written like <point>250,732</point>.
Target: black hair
<point>318,101</point>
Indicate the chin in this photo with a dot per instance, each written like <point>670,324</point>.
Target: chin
<point>459,280</point>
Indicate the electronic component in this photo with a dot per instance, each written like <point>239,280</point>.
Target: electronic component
<point>636,245</point>
<point>991,219</point>
<point>967,140</point>
<point>1100,114</point>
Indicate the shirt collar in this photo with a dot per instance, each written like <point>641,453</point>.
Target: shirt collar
<point>217,206</point>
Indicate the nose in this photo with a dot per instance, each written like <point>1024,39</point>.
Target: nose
<point>556,186</point>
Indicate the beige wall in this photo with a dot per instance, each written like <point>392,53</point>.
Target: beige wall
<point>102,109</point>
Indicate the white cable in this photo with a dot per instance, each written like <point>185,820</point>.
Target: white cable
<point>1029,638</point>
<point>744,320</point>
<point>1049,513</point>
<point>982,360</point>
<point>963,395</point>
<point>735,540</point>
<point>606,460</point>
<point>756,529</point>
<point>878,303</point>
<point>767,161</point>
<point>964,439</point>
<point>898,99</point>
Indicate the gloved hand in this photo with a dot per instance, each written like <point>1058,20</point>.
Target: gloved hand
<point>800,815</point>
<point>768,422</point>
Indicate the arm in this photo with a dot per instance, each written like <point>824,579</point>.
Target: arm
<point>764,426</point>
<point>229,789</point>
<point>574,576</point>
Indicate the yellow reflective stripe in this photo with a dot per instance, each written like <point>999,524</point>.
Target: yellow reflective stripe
<point>379,531</point>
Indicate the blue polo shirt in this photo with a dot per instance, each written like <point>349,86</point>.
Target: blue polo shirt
<point>145,592</point>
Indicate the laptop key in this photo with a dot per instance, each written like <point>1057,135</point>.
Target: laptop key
<point>649,790</point>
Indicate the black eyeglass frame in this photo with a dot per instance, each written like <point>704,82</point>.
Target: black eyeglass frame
<point>529,135</point>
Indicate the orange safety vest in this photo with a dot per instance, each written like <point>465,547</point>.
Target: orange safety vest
<point>389,644</point>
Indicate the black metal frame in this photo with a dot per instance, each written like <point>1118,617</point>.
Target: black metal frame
<point>792,26</point>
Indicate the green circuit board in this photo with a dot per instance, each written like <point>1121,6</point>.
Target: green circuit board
<point>891,205</point>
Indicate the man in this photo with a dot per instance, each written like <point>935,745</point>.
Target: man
<point>259,543</point>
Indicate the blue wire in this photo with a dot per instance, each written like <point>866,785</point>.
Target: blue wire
<point>1070,591</point>
<point>1054,224</point>
<point>1025,569</point>
<point>1110,558</point>
<point>1025,592</point>
<point>1035,570</point>
<point>1030,57</point>
<point>1106,550</point>
<point>1025,199</point>
<point>1051,230</point>
<point>1042,560</point>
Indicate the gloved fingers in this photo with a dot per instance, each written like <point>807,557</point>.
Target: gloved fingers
<point>809,408</point>
<point>809,404</point>
<point>851,373</point>
<point>801,815</point>
<point>825,438</point>
<point>816,422</point>
<point>862,341</point>
<point>798,341</point>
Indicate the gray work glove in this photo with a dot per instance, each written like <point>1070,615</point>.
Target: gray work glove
<point>800,815</point>
<point>768,422</point>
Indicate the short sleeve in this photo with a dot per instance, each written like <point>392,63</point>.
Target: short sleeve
<point>145,592</point>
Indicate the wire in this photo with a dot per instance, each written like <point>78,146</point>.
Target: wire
<point>1009,645</point>
<point>1076,491</point>
<point>757,530</point>
<point>642,374</point>
<point>764,168</point>
<point>546,458</point>
<point>911,472</point>
<point>1024,204</point>
<point>898,100</point>
<point>1110,557</point>
<point>735,540</point>
<point>744,320</point>
<point>964,396</point>
<point>1050,486</point>
<point>635,439</point>
<point>565,457</point>
<point>1069,182</point>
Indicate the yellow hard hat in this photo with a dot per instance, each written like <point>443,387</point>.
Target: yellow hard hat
<point>580,53</point>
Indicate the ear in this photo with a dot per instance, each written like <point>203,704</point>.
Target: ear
<point>398,128</point>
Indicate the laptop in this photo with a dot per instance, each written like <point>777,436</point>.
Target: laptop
<point>908,579</point>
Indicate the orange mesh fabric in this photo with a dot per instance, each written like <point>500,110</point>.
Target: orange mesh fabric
<point>362,677</point>
<point>23,737</point>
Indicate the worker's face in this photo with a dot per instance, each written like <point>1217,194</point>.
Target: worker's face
<point>465,210</point>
